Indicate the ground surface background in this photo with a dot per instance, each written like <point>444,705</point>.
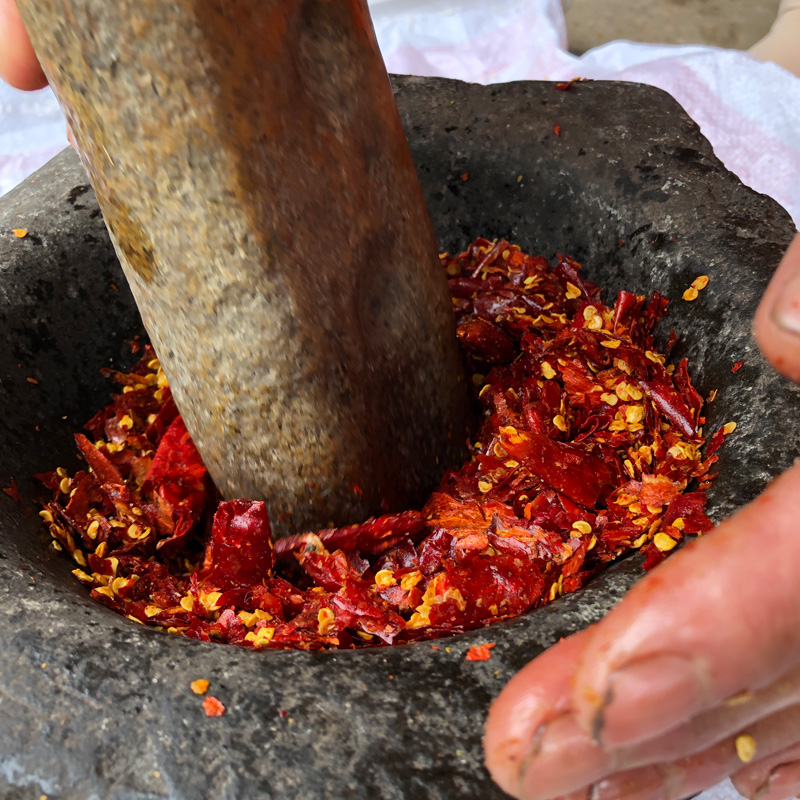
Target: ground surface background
<point>721,23</point>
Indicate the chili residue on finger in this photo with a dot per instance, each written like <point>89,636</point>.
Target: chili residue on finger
<point>590,446</point>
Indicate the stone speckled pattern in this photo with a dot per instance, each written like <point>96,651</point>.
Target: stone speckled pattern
<point>94,706</point>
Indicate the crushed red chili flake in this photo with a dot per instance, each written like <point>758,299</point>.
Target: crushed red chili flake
<point>587,448</point>
<point>563,86</point>
<point>13,491</point>
<point>737,366</point>
<point>213,707</point>
<point>557,130</point>
<point>480,652</point>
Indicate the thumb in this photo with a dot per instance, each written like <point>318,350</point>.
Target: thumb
<point>777,324</point>
<point>18,63</point>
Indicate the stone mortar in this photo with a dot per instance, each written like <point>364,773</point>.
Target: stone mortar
<point>94,706</point>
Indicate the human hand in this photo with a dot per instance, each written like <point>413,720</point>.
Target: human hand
<point>18,63</point>
<point>694,670</point>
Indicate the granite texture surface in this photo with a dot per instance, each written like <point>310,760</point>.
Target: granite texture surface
<point>94,706</point>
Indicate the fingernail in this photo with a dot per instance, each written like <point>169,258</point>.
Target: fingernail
<point>566,760</point>
<point>650,698</point>
<point>508,760</point>
<point>641,784</point>
<point>783,782</point>
<point>786,311</point>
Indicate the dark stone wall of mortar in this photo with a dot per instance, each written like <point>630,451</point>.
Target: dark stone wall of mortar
<point>633,191</point>
<point>94,706</point>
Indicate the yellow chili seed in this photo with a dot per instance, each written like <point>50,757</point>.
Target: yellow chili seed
<point>548,371</point>
<point>634,414</point>
<point>583,526</point>
<point>485,486</point>
<point>690,294</point>
<point>664,543</point>
<point>385,578</point>
<point>126,422</point>
<point>729,428</point>
<point>746,747</point>
<point>560,423</point>
<point>700,283</point>
<point>410,580</point>
<point>611,344</point>
<point>260,637</point>
<point>325,621</point>
<point>739,699</point>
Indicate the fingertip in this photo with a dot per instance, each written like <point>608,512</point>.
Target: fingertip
<point>777,322</point>
<point>19,65</point>
<point>517,717</point>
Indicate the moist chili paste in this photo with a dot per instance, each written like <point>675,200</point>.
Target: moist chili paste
<point>588,441</point>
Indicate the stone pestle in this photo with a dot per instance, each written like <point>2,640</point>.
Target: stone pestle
<point>253,173</point>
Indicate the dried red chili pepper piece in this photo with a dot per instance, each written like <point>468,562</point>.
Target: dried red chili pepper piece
<point>371,537</point>
<point>588,448</point>
<point>240,550</point>
<point>480,652</point>
<point>13,491</point>
<point>213,707</point>
<point>106,471</point>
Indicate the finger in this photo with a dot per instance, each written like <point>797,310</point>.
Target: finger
<point>534,696</point>
<point>18,63</point>
<point>566,757</point>
<point>777,324</point>
<point>710,727</point>
<point>773,778</point>
<point>688,776</point>
<point>683,777</point>
<point>718,618</point>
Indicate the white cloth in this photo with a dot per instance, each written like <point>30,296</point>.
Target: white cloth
<point>32,131</point>
<point>748,110</point>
